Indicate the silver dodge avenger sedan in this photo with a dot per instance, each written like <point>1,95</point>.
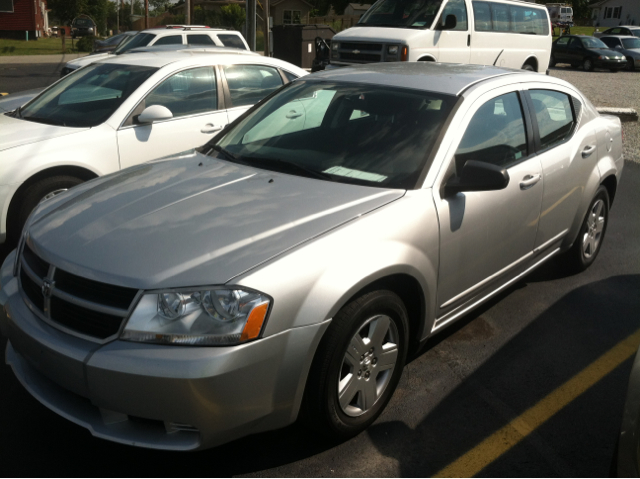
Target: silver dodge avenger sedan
<point>288,267</point>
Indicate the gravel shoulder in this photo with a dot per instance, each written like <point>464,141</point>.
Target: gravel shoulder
<point>620,90</point>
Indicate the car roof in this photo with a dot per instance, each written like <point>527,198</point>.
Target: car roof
<point>631,27</point>
<point>622,37</point>
<point>175,30</point>
<point>195,56</point>
<point>447,78</point>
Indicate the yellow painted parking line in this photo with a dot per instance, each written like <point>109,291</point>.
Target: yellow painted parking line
<point>3,94</point>
<point>473,461</point>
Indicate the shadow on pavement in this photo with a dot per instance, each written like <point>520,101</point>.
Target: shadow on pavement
<point>561,342</point>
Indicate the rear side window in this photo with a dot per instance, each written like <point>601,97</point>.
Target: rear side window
<point>170,40</point>
<point>563,41</point>
<point>611,42</point>
<point>500,17</point>
<point>188,92</point>
<point>496,134</point>
<point>248,84</point>
<point>232,41</point>
<point>554,116</point>
<point>482,16</point>
<point>199,40</point>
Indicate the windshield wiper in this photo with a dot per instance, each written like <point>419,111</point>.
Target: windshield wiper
<point>287,165</point>
<point>228,155</point>
<point>16,112</point>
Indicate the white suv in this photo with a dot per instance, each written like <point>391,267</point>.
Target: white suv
<point>169,35</point>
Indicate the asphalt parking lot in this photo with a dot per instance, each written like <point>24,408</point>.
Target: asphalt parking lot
<point>516,388</point>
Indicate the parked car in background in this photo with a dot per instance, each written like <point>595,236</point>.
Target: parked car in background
<point>588,52</point>
<point>290,265</point>
<point>121,111</point>
<point>111,43</point>
<point>628,46</point>
<point>83,26</point>
<point>621,30</point>
<point>504,33</point>
<point>171,35</point>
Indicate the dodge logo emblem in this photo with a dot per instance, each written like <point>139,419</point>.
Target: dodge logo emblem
<point>47,288</point>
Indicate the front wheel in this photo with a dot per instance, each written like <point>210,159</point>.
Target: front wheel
<point>528,67</point>
<point>589,241</point>
<point>613,70</point>
<point>552,61</point>
<point>357,366</point>
<point>587,64</point>
<point>40,190</point>
<point>631,66</point>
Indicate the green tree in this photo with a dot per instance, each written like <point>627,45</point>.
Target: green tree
<point>158,7</point>
<point>232,16</point>
<point>67,10</point>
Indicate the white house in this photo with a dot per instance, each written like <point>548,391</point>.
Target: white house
<point>611,13</point>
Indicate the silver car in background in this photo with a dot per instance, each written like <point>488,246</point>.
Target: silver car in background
<point>288,267</point>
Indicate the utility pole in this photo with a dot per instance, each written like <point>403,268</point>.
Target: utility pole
<point>266,30</point>
<point>251,24</point>
<point>187,17</point>
<point>146,14</point>
<point>117,18</point>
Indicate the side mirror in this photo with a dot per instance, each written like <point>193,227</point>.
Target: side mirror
<point>154,113</point>
<point>450,22</point>
<point>478,176</point>
<point>618,47</point>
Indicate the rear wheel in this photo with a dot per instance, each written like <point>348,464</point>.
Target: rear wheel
<point>357,366</point>
<point>528,67</point>
<point>589,241</point>
<point>43,189</point>
<point>552,61</point>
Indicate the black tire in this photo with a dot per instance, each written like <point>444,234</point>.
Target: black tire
<point>587,64</point>
<point>631,66</point>
<point>613,70</point>
<point>528,67</point>
<point>552,61</point>
<point>321,409</point>
<point>30,198</point>
<point>576,258</point>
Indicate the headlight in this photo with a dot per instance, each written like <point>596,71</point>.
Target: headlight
<point>214,316</point>
<point>335,46</point>
<point>393,50</point>
<point>603,57</point>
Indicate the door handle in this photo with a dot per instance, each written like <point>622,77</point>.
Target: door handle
<point>529,180</point>
<point>588,150</point>
<point>211,128</point>
<point>469,40</point>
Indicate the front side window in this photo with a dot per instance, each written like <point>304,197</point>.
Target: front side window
<point>591,42</point>
<point>233,41</point>
<point>291,17</point>
<point>553,115</point>
<point>496,134</point>
<point>459,9</point>
<point>200,40</point>
<point>188,92</point>
<point>248,84</point>
<point>344,132</point>
<point>88,97</point>
<point>169,40</point>
<point>401,13</point>
<point>563,41</point>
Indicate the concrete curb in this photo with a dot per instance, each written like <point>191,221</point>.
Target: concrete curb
<point>61,58</point>
<point>625,114</point>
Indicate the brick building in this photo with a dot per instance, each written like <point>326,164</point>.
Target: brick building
<point>21,17</point>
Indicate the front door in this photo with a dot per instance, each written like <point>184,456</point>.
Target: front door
<point>485,236</point>
<point>453,45</point>
<point>192,97</point>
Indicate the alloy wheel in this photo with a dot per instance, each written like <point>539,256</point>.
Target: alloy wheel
<point>595,226</point>
<point>367,366</point>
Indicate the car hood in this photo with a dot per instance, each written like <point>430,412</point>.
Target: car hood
<point>14,100</point>
<point>606,52</point>
<point>190,221</point>
<point>17,132</point>
<point>82,61</point>
<point>377,34</point>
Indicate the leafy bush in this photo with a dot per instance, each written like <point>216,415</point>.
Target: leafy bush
<point>85,44</point>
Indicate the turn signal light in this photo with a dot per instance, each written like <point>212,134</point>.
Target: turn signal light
<point>405,54</point>
<point>254,322</point>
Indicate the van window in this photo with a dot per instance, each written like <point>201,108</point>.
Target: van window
<point>482,16</point>
<point>500,17</point>
<point>401,13</point>
<point>459,9</point>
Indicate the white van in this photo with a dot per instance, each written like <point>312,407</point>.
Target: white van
<point>508,33</point>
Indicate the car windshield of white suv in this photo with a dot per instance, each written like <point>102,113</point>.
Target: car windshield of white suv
<point>344,132</point>
<point>139,40</point>
<point>87,97</point>
<point>401,13</point>
<point>630,43</point>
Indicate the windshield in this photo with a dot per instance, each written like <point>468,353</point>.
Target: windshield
<point>362,134</point>
<point>591,42</point>
<point>87,97</point>
<point>630,43</point>
<point>401,13</point>
<point>139,40</point>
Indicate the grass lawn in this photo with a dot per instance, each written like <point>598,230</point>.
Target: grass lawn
<point>580,31</point>
<point>41,46</point>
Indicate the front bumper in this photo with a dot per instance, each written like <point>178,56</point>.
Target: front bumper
<point>609,64</point>
<point>163,397</point>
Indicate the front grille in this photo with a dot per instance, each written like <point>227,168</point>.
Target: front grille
<point>363,57</point>
<point>88,307</point>
<point>376,47</point>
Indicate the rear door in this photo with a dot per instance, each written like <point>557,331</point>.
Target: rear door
<point>248,84</point>
<point>193,97</point>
